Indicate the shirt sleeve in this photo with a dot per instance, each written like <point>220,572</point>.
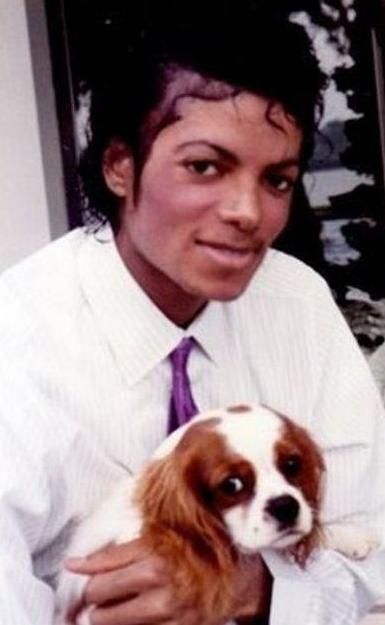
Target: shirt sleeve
<point>348,422</point>
<point>33,512</point>
<point>24,511</point>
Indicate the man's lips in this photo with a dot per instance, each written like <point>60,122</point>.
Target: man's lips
<point>228,253</point>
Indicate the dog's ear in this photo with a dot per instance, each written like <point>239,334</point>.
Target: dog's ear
<point>171,503</point>
<point>180,527</point>
<point>311,482</point>
<point>302,550</point>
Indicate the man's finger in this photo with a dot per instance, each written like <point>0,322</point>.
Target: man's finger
<point>109,558</point>
<point>125,582</point>
<point>149,608</point>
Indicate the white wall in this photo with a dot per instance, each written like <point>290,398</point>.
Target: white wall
<point>32,205</point>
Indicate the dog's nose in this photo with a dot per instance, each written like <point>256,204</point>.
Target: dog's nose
<point>284,509</point>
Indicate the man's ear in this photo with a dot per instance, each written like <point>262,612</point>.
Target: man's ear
<point>118,168</point>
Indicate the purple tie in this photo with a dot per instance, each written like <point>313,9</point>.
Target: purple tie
<point>182,405</point>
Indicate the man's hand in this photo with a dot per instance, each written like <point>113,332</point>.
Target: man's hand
<point>253,592</point>
<point>130,585</point>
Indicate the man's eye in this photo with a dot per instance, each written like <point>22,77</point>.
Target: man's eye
<point>203,167</point>
<point>279,183</point>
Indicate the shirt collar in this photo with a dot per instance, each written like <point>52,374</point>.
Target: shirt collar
<point>210,330</point>
<point>139,334</point>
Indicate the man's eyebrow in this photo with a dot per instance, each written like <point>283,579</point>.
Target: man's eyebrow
<point>229,156</point>
<point>287,162</point>
<point>218,148</point>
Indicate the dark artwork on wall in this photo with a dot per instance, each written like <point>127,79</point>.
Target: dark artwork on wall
<point>345,199</point>
<point>338,219</point>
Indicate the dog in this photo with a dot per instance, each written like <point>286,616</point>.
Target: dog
<point>227,484</point>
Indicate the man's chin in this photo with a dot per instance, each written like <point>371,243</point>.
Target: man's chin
<point>230,290</point>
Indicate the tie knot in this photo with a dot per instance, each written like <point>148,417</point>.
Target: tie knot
<point>180,354</point>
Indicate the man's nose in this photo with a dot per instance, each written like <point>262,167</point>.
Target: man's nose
<point>243,210</point>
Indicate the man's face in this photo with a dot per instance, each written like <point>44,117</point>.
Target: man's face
<point>214,193</point>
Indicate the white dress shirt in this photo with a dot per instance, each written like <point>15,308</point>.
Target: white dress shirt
<point>85,386</point>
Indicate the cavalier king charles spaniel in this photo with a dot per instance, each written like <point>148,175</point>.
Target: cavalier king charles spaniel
<point>230,482</point>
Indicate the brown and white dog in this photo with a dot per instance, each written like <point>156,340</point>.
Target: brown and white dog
<point>228,483</point>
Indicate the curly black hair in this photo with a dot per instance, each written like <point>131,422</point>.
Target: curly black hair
<point>246,44</point>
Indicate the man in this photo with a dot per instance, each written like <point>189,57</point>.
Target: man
<point>194,167</point>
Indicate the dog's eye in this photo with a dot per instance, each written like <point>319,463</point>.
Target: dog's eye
<point>231,485</point>
<point>291,465</point>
